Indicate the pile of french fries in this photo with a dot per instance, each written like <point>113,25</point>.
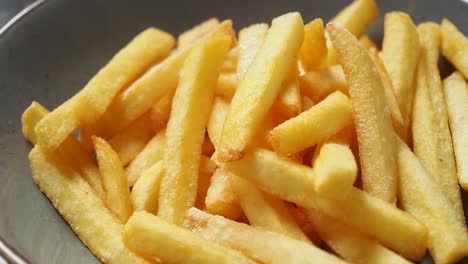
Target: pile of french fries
<point>291,143</point>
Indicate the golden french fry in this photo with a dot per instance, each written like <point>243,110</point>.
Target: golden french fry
<point>150,235</point>
<point>71,150</point>
<point>145,192</point>
<point>335,168</point>
<point>318,85</point>
<point>259,244</point>
<point>215,123</point>
<point>160,112</point>
<point>422,197</point>
<point>227,85</point>
<point>221,198</point>
<point>373,123</point>
<point>186,127</point>
<point>289,102</point>
<point>230,62</point>
<point>150,155</point>
<point>85,212</point>
<point>90,103</point>
<point>313,52</point>
<point>264,210</point>
<point>293,182</point>
<point>206,171</point>
<point>355,17</point>
<point>260,85</point>
<point>350,244</point>
<point>392,103</point>
<point>446,172</point>
<point>319,122</point>
<point>250,41</point>
<point>187,38</point>
<point>367,42</point>
<point>454,46</point>
<point>456,96</point>
<point>400,53</point>
<point>114,180</point>
<point>301,219</point>
<point>130,141</point>
<point>142,94</point>
<point>307,103</point>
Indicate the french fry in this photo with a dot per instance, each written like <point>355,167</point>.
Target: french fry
<point>313,52</point>
<point>392,103</point>
<point>227,85</point>
<point>160,112</point>
<point>456,96</point>
<point>150,155</point>
<point>307,103</point>
<point>454,46</point>
<point>335,168</point>
<point>90,103</point>
<point>350,244</point>
<point>130,141</point>
<point>318,85</point>
<point>367,42</point>
<point>151,235</point>
<point>400,53</point>
<point>142,94</point>
<point>264,210</point>
<point>289,102</point>
<point>80,207</point>
<point>186,127</point>
<point>260,85</point>
<point>230,62</point>
<point>206,171</point>
<point>70,149</point>
<point>188,37</point>
<point>250,41</point>
<point>215,122</point>
<point>145,192</point>
<point>446,171</point>
<point>293,182</point>
<point>301,219</point>
<point>114,180</point>
<point>259,244</point>
<point>373,123</point>
<point>319,122</point>
<point>355,17</point>
<point>221,198</point>
<point>422,197</point>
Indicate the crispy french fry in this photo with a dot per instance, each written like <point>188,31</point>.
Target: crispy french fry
<point>85,212</point>
<point>293,182</point>
<point>227,85</point>
<point>422,197</point>
<point>160,112</point>
<point>130,141</point>
<point>186,128</point>
<point>335,168</point>
<point>373,123</point>
<point>446,172</point>
<point>215,123</point>
<point>400,53</point>
<point>392,103</point>
<point>318,85</point>
<point>230,62</point>
<point>250,41</point>
<point>206,171</point>
<point>264,210</point>
<point>145,192</point>
<point>456,96</point>
<point>355,17</point>
<point>367,42</point>
<point>319,122</point>
<point>90,103</point>
<point>221,198</point>
<point>151,235</point>
<point>260,85</point>
<point>188,37</point>
<point>142,94</point>
<point>289,102</point>
<point>350,244</point>
<point>114,180</point>
<point>454,46</point>
<point>71,149</point>
<point>150,155</point>
<point>259,244</point>
<point>313,52</point>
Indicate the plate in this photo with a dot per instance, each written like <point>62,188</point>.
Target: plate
<point>53,51</point>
